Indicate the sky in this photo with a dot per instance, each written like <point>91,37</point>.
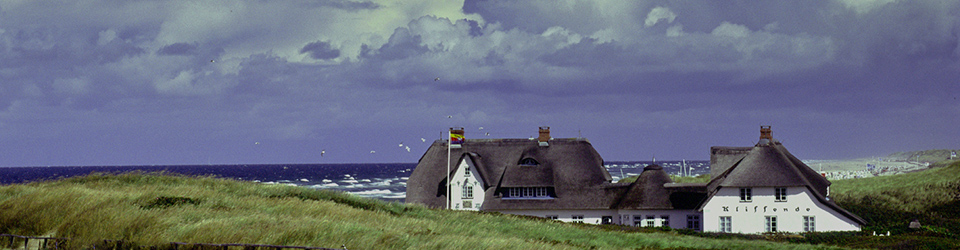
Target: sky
<point>156,82</point>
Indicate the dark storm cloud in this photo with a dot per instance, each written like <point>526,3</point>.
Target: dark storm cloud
<point>320,50</point>
<point>342,4</point>
<point>178,49</point>
<point>205,79</point>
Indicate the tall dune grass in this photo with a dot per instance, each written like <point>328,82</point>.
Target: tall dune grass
<point>153,209</point>
<point>889,203</point>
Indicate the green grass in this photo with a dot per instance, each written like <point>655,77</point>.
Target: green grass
<point>889,203</point>
<point>150,209</point>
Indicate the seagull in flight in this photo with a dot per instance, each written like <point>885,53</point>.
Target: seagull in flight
<point>423,140</point>
<point>324,151</point>
<point>408,149</point>
<point>436,79</point>
<point>373,151</point>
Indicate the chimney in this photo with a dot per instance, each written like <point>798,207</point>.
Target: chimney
<point>765,133</point>
<point>544,136</point>
<point>765,137</point>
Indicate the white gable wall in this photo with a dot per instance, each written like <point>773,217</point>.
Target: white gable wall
<point>749,217</point>
<point>459,179</point>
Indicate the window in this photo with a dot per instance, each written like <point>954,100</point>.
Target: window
<point>771,225</point>
<point>577,218</point>
<point>665,221</point>
<point>637,220</point>
<point>781,194</point>
<point>552,217</point>
<point>725,224</point>
<point>606,220</point>
<point>745,195</point>
<point>529,162</point>
<point>527,192</point>
<point>809,224</point>
<point>467,204</point>
<point>693,222</point>
<point>467,191</point>
<point>466,171</point>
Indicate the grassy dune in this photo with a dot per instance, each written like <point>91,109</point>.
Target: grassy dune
<point>154,209</point>
<point>889,203</point>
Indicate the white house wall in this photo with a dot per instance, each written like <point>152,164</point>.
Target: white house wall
<point>677,218</point>
<point>749,217</point>
<point>589,216</point>
<point>458,181</point>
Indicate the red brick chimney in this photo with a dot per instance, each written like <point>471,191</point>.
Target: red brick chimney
<point>765,133</point>
<point>544,135</point>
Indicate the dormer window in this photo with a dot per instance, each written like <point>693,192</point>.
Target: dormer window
<point>529,162</point>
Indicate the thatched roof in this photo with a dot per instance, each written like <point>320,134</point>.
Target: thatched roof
<point>769,164</point>
<point>571,167</point>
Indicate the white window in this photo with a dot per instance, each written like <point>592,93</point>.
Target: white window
<point>466,171</point>
<point>637,220</point>
<point>781,194</point>
<point>725,224</point>
<point>468,191</point>
<point>665,221</point>
<point>809,224</point>
<point>745,195</point>
<point>527,192</point>
<point>771,224</point>
<point>577,218</point>
<point>650,220</point>
<point>693,222</point>
<point>552,217</point>
<point>467,204</point>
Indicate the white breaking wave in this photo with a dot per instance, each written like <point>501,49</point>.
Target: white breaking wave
<point>328,185</point>
<point>401,195</point>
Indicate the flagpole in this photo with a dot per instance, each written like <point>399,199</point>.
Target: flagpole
<point>449,145</point>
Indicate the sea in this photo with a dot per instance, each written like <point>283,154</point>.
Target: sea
<point>385,181</point>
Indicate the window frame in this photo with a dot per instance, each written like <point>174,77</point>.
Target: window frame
<point>746,194</point>
<point>770,224</point>
<point>528,162</point>
<point>780,194</point>
<point>467,192</point>
<point>576,218</point>
<point>665,220</point>
<point>527,193</point>
<point>809,223</point>
<point>726,224</point>
<point>650,221</point>
<point>693,222</point>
